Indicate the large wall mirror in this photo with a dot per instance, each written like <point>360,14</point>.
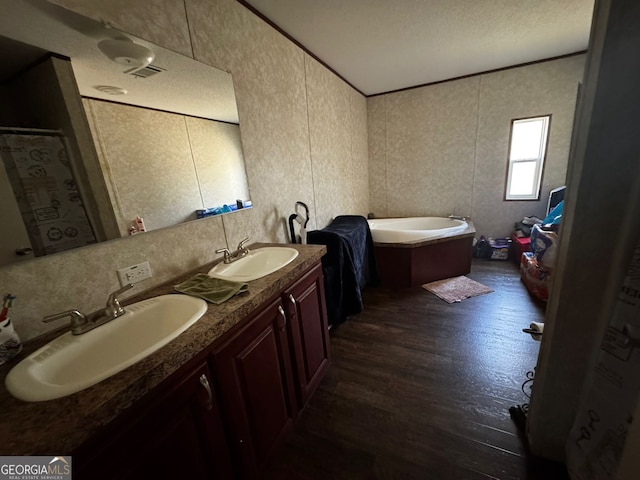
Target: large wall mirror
<point>99,129</point>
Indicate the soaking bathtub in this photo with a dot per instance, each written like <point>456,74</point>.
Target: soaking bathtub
<point>413,229</point>
<point>417,250</point>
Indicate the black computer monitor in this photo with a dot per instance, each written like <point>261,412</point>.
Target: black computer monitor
<point>555,197</point>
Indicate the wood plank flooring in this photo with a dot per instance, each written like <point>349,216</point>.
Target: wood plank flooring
<point>420,389</point>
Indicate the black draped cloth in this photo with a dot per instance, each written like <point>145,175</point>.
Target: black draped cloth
<point>348,266</point>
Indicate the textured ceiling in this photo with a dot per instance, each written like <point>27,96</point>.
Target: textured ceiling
<point>385,45</point>
<point>180,88</point>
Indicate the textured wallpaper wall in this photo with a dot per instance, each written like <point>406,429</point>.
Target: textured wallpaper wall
<point>442,149</point>
<point>339,164</point>
<point>290,109</point>
<point>164,166</point>
<point>217,155</point>
<point>282,97</point>
<point>146,161</point>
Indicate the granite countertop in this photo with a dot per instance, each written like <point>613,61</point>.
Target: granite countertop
<point>470,231</point>
<point>60,426</point>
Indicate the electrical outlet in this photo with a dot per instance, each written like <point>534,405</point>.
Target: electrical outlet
<point>134,273</point>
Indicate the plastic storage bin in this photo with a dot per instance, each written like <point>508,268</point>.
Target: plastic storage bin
<point>499,248</point>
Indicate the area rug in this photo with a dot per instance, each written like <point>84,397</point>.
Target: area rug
<point>456,289</point>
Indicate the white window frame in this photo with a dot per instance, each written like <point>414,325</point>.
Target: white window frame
<point>539,160</point>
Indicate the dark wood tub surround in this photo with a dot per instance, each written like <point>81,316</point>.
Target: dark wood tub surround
<point>411,264</point>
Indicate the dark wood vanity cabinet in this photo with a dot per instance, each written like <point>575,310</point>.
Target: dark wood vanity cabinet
<point>178,435</point>
<point>253,372</point>
<point>268,371</point>
<point>224,417</point>
<point>308,332</point>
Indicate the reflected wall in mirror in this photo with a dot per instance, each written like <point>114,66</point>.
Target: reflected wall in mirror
<point>166,148</point>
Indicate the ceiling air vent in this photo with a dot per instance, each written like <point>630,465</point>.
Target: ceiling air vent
<point>145,72</point>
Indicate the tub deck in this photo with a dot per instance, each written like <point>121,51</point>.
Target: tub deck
<point>415,263</point>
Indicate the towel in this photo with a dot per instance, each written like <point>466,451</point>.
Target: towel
<point>348,266</point>
<point>213,290</point>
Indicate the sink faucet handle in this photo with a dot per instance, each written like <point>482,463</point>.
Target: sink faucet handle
<point>113,302</point>
<point>242,242</point>
<point>77,318</point>
<point>225,252</point>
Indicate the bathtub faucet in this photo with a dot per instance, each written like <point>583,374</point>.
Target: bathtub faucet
<point>458,217</point>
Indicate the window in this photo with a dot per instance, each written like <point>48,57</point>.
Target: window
<point>526,157</point>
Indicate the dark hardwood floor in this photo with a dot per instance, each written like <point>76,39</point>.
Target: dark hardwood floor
<point>420,389</point>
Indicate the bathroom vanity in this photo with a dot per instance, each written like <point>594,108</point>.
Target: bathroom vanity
<point>213,403</point>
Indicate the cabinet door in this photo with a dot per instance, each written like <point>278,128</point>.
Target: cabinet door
<point>253,371</point>
<point>179,436</point>
<point>309,332</point>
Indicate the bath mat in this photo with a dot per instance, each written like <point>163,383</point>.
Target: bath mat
<point>456,289</point>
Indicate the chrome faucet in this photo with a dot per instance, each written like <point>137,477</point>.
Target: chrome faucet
<point>238,253</point>
<point>81,323</point>
<point>458,217</point>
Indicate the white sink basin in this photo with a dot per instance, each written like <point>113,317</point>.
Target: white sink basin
<point>71,363</point>
<point>258,263</point>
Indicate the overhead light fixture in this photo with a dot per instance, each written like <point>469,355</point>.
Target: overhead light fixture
<point>110,89</point>
<point>126,52</point>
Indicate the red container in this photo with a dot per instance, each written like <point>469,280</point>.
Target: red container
<point>519,245</point>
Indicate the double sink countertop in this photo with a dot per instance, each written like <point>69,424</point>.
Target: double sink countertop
<point>60,426</point>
